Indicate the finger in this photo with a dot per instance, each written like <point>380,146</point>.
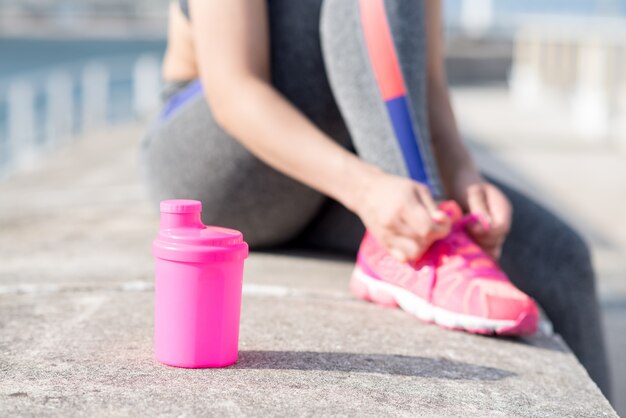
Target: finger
<point>477,201</point>
<point>493,247</point>
<point>418,224</point>
<point>491,252</point>
<point>410,224</point>
<point>404,248</point>
<point>424,196</point>
<point>497,252</point>
<point>476,229</point>
<point>415,217</point>
<point>500,208</point>
<point>398,255</point>
<point>488,240</point>
<point>439,223</point>
<point>494,252</point>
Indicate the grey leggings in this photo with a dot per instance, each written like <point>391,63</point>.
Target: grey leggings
<point>319,64</point>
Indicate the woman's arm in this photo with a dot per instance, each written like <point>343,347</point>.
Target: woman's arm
<point>453,157</point>
<point>232,48</point>
<point>459,173</point>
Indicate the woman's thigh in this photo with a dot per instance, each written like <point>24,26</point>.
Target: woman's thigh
<point>189,156</point>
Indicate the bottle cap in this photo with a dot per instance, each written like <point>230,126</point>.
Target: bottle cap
<point>183,236</point>
<point>181,206</point>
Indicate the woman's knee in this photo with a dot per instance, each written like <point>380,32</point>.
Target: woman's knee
<point>263,222</point>
<point>247,195</point>
<point>190,157</point>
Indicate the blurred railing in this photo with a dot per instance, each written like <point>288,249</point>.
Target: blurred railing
<point>43,110</point>
<point>568,58</point>
<point>502,18</point>
<point>579,65</point>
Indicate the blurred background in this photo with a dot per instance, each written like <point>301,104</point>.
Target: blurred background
<point>539,88</point>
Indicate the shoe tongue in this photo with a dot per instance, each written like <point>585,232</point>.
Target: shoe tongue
<point>452,209</point>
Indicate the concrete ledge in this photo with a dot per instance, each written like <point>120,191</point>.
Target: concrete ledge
<point>76,323</point>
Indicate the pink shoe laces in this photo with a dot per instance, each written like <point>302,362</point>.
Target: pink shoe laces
<point>458,251</point>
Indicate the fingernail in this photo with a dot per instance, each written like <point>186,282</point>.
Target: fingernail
<point>484,221</point>
<point>439,216</point>
<point>398,255</point>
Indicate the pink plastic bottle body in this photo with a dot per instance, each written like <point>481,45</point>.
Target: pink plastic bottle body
<point>196,313</point>
<point>197,297</point>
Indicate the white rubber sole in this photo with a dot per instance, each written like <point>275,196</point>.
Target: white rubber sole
<point>366,287</point>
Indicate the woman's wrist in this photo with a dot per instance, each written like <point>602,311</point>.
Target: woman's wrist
<point>464,177</point>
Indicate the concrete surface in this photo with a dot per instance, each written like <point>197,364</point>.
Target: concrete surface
<point>76,323</point>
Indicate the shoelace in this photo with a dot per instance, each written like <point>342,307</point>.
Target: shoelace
<point>465,252</point>
<point>459,246</point>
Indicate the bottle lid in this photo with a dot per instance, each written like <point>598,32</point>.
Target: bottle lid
<point>185,238</point>
<point>181,206</point>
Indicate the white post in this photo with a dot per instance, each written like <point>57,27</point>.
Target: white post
<point>590,104</point>
<point>60,108</point>
<point>21,121</point>
<point>620,116</point>
<point>95,87</point>
<point>476,16</point>
<point>146,85</point>
<point>525,80</point>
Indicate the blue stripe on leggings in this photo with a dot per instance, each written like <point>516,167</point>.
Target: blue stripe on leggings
<point>398,110</point>
<point>190,91</point>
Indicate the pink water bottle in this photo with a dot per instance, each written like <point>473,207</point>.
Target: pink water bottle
<point>197,291</point>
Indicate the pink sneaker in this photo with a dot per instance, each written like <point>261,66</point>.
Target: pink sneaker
<point>455,284</point>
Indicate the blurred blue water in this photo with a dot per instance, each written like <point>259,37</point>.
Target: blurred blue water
<point>20,55</point>
<point>34,60</point>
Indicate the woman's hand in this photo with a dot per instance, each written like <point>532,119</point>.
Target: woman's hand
<point>401,214</point>
<point>486,200</point>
